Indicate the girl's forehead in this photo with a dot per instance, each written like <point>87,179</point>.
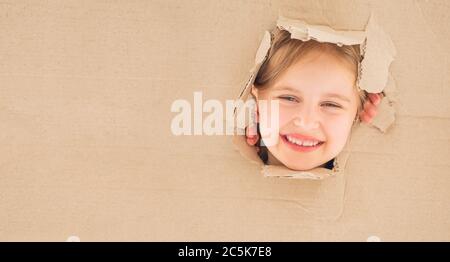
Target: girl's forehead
<point>310,82</point>
<point>321,63</point>
<point>320,73</point>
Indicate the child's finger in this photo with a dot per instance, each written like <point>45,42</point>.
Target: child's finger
<point>251,131</point>
<point>251,135</point>
<point>252,140</point>
<point>370,109</point>
<point>364,118</point>
<point>374,98</point>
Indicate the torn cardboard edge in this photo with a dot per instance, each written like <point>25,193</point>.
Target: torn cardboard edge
<point>377,51</point>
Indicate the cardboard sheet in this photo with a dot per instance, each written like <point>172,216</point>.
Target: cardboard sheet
<point>87,153</point>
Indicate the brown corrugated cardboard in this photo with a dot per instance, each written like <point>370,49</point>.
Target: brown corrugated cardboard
<point>87,152</point>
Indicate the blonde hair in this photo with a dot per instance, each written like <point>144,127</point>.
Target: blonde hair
<point>286,51</point>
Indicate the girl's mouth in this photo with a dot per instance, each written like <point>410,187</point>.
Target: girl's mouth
<point>301,145</point>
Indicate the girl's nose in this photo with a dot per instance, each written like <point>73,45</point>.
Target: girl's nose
<point>307,120</point>
<point>300,122</point>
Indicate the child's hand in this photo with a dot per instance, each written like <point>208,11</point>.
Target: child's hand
<point>370,107</point>
<point>251,131</point>
<point>251,134</point>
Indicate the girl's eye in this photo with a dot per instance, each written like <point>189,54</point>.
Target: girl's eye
<point>331,105</point>
<point>289,98</point>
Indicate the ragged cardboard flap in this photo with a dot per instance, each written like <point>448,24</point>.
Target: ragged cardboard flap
<point>377,51</point>
<point>302,31</point>
<point>260,57</point>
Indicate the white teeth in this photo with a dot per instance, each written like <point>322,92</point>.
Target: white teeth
<point>302,143</point>
<point>308,143</point>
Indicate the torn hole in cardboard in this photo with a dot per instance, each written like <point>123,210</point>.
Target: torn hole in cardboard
<point>377,52</point>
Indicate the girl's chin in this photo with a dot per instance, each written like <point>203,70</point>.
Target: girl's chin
<point>300,168</point>
<point>291,163</point>
<point>282,154</point>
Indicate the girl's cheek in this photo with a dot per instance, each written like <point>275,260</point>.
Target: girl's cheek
<point>285,117</point>
<point>266,110</point>
<point>337,127</point>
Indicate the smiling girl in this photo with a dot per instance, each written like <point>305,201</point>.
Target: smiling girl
<point>315,85</point>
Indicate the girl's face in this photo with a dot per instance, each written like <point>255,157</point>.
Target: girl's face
<point>317,106</point>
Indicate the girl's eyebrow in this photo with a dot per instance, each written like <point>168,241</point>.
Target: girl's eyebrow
<point>287,88</point>
<point>338,96</point>
<point>331,95</point>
